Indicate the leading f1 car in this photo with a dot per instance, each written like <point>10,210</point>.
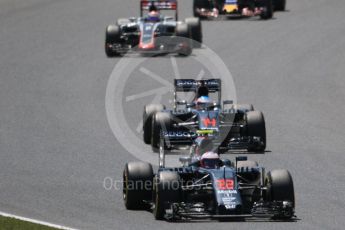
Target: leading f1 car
<point>232,126</point>
<point>152,33</point>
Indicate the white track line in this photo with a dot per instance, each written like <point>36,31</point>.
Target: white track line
<point>36,221</point>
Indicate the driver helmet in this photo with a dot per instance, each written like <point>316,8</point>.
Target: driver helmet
<point>202,100</point>
<point>210,160</point>
<point>153,15</point>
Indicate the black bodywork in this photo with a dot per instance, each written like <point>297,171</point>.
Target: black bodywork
<point>237,189</point>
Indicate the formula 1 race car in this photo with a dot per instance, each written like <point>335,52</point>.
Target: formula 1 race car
<point>233,126</point>
<point>152,33</point>
<point>239,189</point>
<point>211,9</point>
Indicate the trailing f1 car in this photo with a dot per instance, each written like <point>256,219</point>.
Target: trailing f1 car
<point>208,9</point>
<point>233,126</point>
<point>239,189</point>
<point>153,33</point>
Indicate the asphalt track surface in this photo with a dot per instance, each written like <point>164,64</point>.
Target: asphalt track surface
<point>56,146</point>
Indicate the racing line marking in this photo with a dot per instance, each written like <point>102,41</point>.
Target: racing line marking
<point>36,221</point>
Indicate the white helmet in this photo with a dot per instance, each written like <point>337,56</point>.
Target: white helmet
<point>210,160</point>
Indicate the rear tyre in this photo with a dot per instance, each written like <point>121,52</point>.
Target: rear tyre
<point>256,128</point>
<point>161,121</point>
<point>279,5</point>
<point>183,34</point>
<point>112,36</point>
<point>166,190</point>
<point>280,188</point>
<point>137,184</point>
<point>196,31</point>
<point>267,12</point>
<point>149,110</point>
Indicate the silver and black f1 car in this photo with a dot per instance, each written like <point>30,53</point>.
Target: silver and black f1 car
<point>233,126</point>
<point>239,189</point>
<point>211,9</point>
<point>152,33</point>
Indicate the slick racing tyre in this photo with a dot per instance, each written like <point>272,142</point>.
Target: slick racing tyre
<point>279,5</point>
<point>149,110</point>
<point>280,188</point>
<point>166,190</point>
<point>137,184</point>
<point>161,121</point>
<point>183,35</point>
<point>196,31</point>
<point>256,128</point>
<point>267,12</point>
<point>112,36</point>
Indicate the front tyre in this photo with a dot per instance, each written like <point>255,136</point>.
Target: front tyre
<point>280,188</point>
<point>137,184</point>
<point>166,191</point>
<point>112,37</point>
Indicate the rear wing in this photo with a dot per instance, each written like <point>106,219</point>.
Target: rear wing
<point>159,4</point>
<point>186,85</point>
